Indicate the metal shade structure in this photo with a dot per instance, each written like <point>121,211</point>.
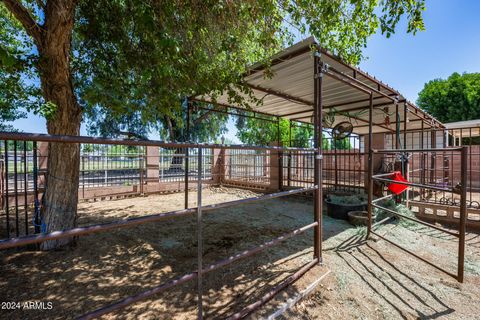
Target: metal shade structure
<point>458,129</point>
<point>289,93</point>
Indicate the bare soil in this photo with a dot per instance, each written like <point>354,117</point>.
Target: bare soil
<point>368,280</point>
<point>375,280</point>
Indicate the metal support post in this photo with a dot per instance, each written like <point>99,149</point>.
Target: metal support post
<point>199,237</point>
<point>463,215</point>
<point>289,164</point>
<point>280,157</point>
<point>404,157</point>
<point>370,166</point>
<point>186,155</point>
<point>35,188</point>
<point>7,188</point>
<point>318,145</point>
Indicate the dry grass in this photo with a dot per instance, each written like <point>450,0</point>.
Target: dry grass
<point>369,279</point>
<point>375,280</point>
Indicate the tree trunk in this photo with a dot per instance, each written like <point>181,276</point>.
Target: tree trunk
<point>176,165</point>
<point>59,210</point>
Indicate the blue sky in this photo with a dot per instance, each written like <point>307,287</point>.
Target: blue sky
<point>451,43</point>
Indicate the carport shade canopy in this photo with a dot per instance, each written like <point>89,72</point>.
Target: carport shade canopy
<point>289,93</point>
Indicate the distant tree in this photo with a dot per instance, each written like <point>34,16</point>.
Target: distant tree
<point>15,95</point>
<point>265,132</point>
<point>205,126</point>
<point>341,144</point>
<point>456,98</point>
<point>261,132</point>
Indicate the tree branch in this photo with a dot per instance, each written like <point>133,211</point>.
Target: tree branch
<point>23,15</point>
<point>40,4</point>
<point>204,116</point>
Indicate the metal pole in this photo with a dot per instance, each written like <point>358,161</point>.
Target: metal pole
<point>335,159</point>
<point>463,215</point>
<point>433,145</point>
<point>280,157</point>
<point>124,223</point>
<point>405,115</point>
<point>190,276</point>
<point>82,171</point>
<point>370,166</point>
<point>404,158</point>
<point>154,143</point>
<point>186,155</point>
<point>422,161</point>
<point>318,145</point>
<point>25,185</point>
<point>199,237</point>
<point>35,187</point>
<point>397,126</point>
<point>397,138</point>
<point>289,166</point>
<point>15,185</point>
<point>141,172</point>
<point>7,197</point>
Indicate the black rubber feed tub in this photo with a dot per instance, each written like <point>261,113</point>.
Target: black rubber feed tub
<point>340,211</point>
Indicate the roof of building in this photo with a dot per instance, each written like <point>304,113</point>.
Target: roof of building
<point>289,93</point>
<point>458,128</point>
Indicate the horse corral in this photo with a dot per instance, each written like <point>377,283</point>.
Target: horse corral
<point>184,230</point>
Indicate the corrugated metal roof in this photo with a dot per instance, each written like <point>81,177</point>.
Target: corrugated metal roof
<point>459,128</point>
<point>289,93</point>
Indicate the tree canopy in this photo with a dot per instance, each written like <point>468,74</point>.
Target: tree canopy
<point>132,62</point>
<point>264,132</point>
<point>456,98</point>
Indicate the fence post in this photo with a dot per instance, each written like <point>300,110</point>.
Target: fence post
<point>378,142</point>
<point>152,165</point>
<point>82,172</point>
<point>7,186</point>
<point>141,171</point>
<point>463,214</point>
<point>275,176</point>
<point>199,237</point>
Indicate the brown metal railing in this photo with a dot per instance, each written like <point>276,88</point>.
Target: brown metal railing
<point>437,167</point>
<point>460,188</point>
<point>198,210</point>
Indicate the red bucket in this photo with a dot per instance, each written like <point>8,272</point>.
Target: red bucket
<point>396,187</point>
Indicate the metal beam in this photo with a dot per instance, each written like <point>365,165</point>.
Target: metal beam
<point>355,118</point>
<point>275,61</point>
<point>279,94</point>
<point>356,101</point>
<point>356,83</point>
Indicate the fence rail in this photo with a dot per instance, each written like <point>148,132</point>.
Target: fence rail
<point>105,162</point>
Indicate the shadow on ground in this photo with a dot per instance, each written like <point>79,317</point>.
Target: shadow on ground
<point>375,280</point>
<point>368,280</point>
<point>104,268</point>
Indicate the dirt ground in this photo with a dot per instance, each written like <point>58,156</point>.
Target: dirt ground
<point>368,280</point>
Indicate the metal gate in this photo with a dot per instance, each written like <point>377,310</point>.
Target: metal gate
<point>421,183</point>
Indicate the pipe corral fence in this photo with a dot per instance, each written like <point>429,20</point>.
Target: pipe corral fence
<point>442,166</point>
<point>112,168</point>
<point>147,167</point>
